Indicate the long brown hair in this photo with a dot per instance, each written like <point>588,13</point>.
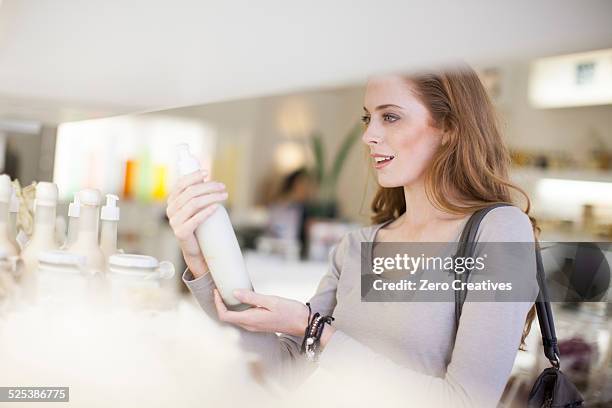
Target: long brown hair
<point>472,161</point>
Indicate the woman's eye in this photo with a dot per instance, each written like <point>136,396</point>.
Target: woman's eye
<point>387,117</point>
<point>365,119</point>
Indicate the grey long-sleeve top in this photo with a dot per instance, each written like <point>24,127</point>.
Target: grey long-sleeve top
<point>414,340</point>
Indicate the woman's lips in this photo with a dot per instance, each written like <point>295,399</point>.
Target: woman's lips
<point>380,164</point>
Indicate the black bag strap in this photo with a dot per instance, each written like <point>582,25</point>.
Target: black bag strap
<point>545,315</point>
<point>467,246</point>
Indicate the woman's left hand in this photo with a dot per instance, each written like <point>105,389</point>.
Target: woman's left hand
<point>271,314</point>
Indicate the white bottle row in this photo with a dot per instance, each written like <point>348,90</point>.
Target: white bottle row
<point>89,253</point>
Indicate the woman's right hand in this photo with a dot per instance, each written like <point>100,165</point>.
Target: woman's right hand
<point>193,200</point>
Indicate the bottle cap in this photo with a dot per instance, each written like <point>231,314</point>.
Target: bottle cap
<point>6,188</point>
<point>110,212</point>
<point>89,196</point>
<point>14,206</point>
<point>46,194</point>
<point>133,261</point>
<point>74,208</point>
<point>58,257</point>
<point>187,163</point>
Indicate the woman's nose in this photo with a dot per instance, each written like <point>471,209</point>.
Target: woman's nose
<point>370,136</point>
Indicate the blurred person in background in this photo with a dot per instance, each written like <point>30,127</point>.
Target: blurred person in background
<point>288,215</point>
<point>439,156</point>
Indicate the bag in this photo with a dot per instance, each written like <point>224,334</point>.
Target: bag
<point>552,388</point>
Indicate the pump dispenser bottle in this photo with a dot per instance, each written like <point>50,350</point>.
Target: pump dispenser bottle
<point>86,242</point>
<point>218,243</point>
<point>43,236</point>
<point>109,218</point>
<point>7,245</point>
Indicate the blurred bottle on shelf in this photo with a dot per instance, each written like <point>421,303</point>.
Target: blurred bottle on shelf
<point>600,156</point>
<point>129,179</point>
<point>138,281</point>
<point>144,185</point>
<point>589,221</point>
<point>86,242</point>
<point>43,235</point>
<point>109,218</point>
<point>160,177</point>
<point>62,276</point>
<point>144,180</point>
<point>7,243</point>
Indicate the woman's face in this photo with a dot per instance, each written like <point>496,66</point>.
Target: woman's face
<point>398,131</point>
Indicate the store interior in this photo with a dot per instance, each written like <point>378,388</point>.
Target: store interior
<point>298,145</point>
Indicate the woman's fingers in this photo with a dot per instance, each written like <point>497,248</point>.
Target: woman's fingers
<point>194,206</point>
<point>272,314</point>
<point>186,181</point>
<point>193,191</point>
<point>224,314</point>
<point>247,319</point>
<point>186,230</point>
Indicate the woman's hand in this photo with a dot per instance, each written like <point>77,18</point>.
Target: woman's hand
<point>271,314</point>
<point>193,200</point>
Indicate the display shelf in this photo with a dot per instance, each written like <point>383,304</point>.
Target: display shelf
<point>534,173</point>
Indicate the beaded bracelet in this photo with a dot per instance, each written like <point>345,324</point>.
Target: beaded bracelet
<point>312,334</point>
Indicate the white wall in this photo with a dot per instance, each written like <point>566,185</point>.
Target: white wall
<point>562,129</point>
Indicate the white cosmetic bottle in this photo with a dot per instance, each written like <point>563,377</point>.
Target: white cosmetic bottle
<point>43,236</point>
<point>109,218</point>
<point>218,243</point>
<point>7,244</point>
<point>86,242</point>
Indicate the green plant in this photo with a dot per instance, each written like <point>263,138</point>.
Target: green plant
<point>328,180</point>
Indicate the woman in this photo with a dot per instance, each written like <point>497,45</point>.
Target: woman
<point>289,214</point>
<point>439,157</point>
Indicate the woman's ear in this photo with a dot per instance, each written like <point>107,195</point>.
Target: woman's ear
<point>447,129</point>
<point>445,138</point>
